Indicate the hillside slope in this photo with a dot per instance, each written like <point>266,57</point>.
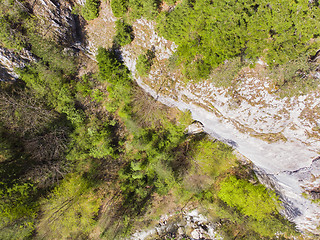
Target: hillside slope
<point>279,135</point>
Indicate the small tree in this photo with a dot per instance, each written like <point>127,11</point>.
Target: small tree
<point>144,63</point>
<point>119,7</point>
<point>252,200</point>
<point>124,34</point>
<point>146,8</point>
<point>91,9</point>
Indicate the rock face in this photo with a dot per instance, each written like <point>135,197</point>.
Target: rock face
<point>194,128</point>
<point>280,136</point>
<point>9,60</point>
<point>56,20</point>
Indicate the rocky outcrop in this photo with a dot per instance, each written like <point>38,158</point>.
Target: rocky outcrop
<point>194,128</point>
<point>184,225</point>
<point>10,60</point>
<point>56,20</point>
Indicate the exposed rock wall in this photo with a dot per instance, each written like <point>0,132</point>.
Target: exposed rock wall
<point>9,60</point>
<point>55,22</point>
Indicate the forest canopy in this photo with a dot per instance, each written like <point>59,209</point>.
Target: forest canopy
<point>214,31</point>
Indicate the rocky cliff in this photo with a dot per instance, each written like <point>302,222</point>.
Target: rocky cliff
<point>56,22</point>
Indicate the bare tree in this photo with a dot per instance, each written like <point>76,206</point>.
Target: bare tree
<point>22,113</point>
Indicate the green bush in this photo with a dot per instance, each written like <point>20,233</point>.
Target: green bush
<point>9,37</point>
<point>144,8</point>
<point>210,32</point>
<point>144,63</point>
<point>224,75</point>
<point>213,157</point>
<point>124,33</point>
<point>251,200</point>
<point>12,28</point>
<point>119,7</point>
<point>17,211</point>
<point>90,10</point>
<point>197,70</point>
<point>294,77</point>
<point>171,2</point>
<point>70,210</point>
<point>52,55</point>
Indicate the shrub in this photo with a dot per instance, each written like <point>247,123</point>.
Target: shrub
<point>170,2</point>
<point>197,70</point>
<point>9,37</point>
<point>70,210</point>
<point>224,75</point>
<point>119,7</point>
<point>145,8</point>
<point>144,63</point>
<point>294,77</point>
<point>124,33</point>
<point>52,55</point>
<point>17,211</point>
<point>91,9</point>
<point>251,200</point>
<point>213,157</point>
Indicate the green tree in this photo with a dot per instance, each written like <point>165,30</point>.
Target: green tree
<point>119,7</point>
<point>144,63</point>
<point>124,33</point>
<point>146,8</point>
<point>251,200</point>
<point>120,85</point>
<point>90,10</point>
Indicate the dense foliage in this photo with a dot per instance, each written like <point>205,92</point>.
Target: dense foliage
<point>137,8</point>
<point>90,10</point>
<point>11,18</point>
<point>254,201</point>
<point>144,63</point>
<point>210,32</point>
<point>145,8</point>
<point>70,210</point>
<point>119,7</point>
<point>213,157</point>
<point>124,33</point>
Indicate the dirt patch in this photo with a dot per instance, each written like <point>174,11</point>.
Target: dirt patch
<point>101,30</point>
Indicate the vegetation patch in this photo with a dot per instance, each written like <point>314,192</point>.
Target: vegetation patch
<point>251,200</point>
<point>119,7</point>
<point>146,8</point>
<point>89,156</point>
<point>207,35</point>
<point>144,63</point>
<point>124,33</point>
<point>90,10</point>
